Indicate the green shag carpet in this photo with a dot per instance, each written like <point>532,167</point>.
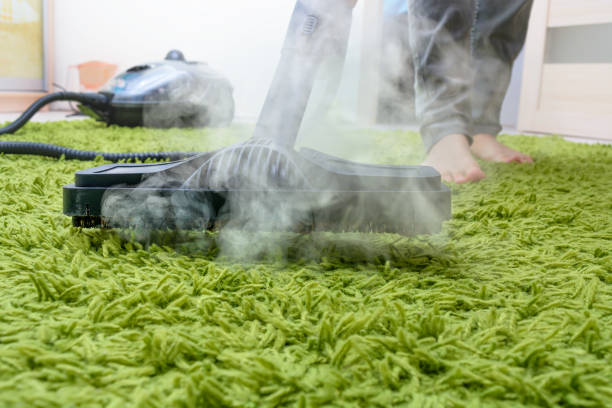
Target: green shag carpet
<point>510,306</point>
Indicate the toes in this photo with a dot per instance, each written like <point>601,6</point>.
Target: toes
<point>471,174</point>
<point>475,174</point>
<point>517,157</point>
<point>447,176</point>
<point>508,156</point>
<point>460,178</point>
<point>490,149</point>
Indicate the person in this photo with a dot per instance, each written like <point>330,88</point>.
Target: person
<point>463,52</point>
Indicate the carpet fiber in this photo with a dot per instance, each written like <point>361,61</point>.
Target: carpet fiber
<point>510,306</point>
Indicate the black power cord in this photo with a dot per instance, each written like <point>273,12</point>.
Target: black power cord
<point>49,150</point>
<point>74,110</point>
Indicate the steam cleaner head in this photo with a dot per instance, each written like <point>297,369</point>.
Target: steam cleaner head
<point>263,186</point>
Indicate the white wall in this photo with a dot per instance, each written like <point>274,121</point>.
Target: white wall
<point>510,108</point>
<point>240,38</point>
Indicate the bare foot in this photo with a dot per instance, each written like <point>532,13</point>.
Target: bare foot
<point>487,147</point>
<point>452,158</point>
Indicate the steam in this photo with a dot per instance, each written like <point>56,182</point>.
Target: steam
<point>191,95</point>
<point>244,190</point>
<point>251,189</point>
<point>396,102</point>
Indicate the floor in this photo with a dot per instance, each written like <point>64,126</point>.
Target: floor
<point>63,115</point>
<point>509,306</point>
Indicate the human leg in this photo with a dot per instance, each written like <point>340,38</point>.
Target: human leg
<point>440,44</point>
<point>500,29</point>
<point>440,33</point>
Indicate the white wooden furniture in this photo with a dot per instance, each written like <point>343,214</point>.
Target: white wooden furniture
<point>567,97</point>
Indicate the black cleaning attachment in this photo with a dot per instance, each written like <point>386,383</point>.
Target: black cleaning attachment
<point>260,185</point>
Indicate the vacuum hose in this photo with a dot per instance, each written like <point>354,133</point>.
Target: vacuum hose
<point>49,150</point>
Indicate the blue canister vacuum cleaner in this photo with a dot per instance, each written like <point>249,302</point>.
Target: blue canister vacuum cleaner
<point>170,93</point>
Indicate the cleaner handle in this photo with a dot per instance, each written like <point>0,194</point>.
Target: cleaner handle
<point>318,29</point>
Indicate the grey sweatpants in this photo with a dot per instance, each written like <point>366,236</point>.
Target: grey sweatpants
<point>463,51</point>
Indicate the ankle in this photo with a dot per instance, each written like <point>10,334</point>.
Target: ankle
<point>483,137</point>
<point>455,139</point>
